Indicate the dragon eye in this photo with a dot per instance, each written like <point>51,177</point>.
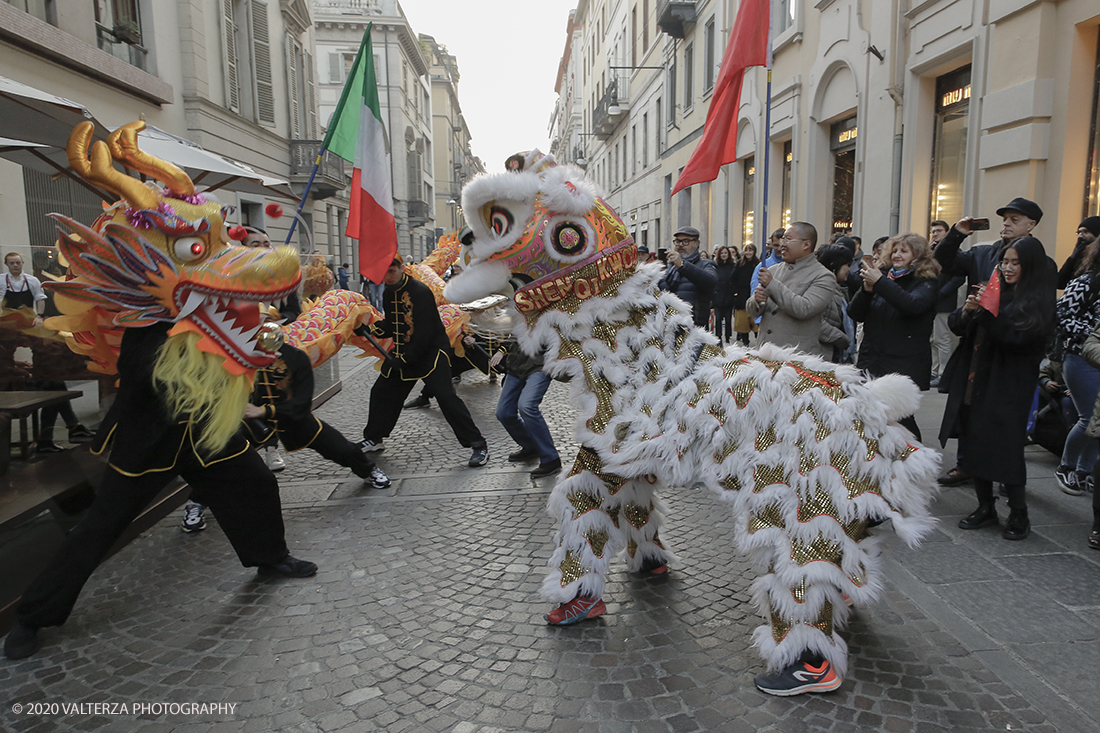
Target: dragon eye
<point>500,220</point>
<point>189,249</point>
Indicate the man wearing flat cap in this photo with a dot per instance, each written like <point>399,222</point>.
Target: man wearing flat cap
<point>690,276</point>
<point>1019,216</point>
<point>1087,232</point>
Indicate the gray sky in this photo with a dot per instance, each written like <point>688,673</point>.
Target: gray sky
<point>508,53</point>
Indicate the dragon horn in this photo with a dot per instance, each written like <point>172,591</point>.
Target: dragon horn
<point>123,143</point>
<point>100,169</point>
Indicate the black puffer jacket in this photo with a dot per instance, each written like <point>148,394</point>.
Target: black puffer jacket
<point>693,283</point>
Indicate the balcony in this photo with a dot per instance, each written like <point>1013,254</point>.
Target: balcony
<point>420,213</point>
<point>675,16</point>
<point>608,113</point>
<point>330,178</point>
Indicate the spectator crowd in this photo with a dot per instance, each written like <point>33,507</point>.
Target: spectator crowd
<point>984,325</point>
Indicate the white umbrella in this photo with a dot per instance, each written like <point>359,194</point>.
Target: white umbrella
<point>36,116</point>
<point>209,171</point>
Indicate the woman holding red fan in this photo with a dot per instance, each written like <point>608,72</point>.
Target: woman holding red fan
<point>1005,326</point>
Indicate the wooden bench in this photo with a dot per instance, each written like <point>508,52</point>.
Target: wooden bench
<point>40,501</point>
<point>25,404</point>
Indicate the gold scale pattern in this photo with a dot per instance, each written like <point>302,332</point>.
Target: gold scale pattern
<point>596,383</point>
<point>571,568</point>
<point>638,516</point>
<point>822,550</point>
<point>765,476</point>
<point>782,626</point>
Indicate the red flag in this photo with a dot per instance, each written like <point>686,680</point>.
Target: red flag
<point>748,46</point>
<point>991,298</point>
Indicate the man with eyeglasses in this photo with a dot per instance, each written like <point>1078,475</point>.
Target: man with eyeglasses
<point>792,296</point>
<point>689,275</point>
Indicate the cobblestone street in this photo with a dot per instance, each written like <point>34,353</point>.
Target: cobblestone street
<point>425,615</point>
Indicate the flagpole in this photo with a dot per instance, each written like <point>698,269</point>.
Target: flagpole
<point>767,138</point>
<point>328,132</point>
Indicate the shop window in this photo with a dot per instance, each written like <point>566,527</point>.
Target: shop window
<point>842,143</point>
<point>785,196</point>
<point>949,145</point>
<point>1092,191</point>
<point>748,197</point>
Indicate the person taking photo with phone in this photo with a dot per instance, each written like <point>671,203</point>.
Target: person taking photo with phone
<point>1019,217</point>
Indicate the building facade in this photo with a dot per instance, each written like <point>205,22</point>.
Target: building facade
<point>235,76</point>
<point>454,163</point>
<point>405,101</point>
<point>884,114</point>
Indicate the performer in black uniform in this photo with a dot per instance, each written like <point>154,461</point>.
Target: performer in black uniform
<point>281,410</point>
<point>148,446</point>
<point>419,353</point>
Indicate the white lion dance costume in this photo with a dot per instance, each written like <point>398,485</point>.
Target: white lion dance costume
<point>805,452</point>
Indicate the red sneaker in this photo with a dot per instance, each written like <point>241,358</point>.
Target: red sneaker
<point>576,610</point>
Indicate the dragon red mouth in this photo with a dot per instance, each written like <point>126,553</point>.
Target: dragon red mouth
<point>231,320</point>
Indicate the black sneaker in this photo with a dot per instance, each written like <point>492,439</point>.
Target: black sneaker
<point>193,520</point>
<point>418,401</point>
<point>48,446</point>
<point>80,434</point>
<point>799,678</point>
<point>479,457</point>
<point>22,641</point>
<point>290,567</point>
<point>378,478</point>
<point>1067,480</point>
<point>370,446</point>
<point>547,469</point>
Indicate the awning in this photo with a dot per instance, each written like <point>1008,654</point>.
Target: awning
<point>209,171</point>
<point>36,116</point>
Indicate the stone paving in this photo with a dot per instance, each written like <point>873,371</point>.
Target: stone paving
<point>425,615</point>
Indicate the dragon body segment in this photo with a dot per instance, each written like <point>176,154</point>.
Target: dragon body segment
<point>804,452</point>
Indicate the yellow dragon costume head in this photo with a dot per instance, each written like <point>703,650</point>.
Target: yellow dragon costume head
<point>160,254</point>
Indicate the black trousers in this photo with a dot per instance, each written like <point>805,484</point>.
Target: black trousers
<point>388,395</point>
<point>723,324</point>
<point>332,444</point>
<point>241,492</point>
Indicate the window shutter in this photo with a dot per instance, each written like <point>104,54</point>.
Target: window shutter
<point>229,58</point>
<point>261,56</point>
<point>335,68</point>
<point>292,87</point>
<point>311,97</point>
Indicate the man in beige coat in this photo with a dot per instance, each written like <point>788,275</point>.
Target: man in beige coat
<point>792,296</point>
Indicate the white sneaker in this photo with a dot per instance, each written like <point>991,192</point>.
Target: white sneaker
<point>378,478</point>
<point>273,460</point>
<point>193,520</point>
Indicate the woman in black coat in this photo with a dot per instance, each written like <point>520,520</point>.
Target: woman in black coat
<point>992,377</point>
<point>725,263</point>
<point>742,324</point>
<point>897,307</point>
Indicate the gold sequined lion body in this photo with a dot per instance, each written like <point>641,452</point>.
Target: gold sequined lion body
<point>805,452</point>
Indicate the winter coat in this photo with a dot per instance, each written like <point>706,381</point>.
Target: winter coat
<point>897,317</point>
<point>693,283</point>
<point>797,296</point>
<point>743,282</point>
<point>833,334</point>
<point>1007,370</point>
<point>725,286</point>
<point>1091,353</point>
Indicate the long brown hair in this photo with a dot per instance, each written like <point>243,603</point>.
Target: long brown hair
<point>733,259</point>
<point>923,264</point>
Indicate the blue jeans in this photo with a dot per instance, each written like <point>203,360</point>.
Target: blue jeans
<point>1083,381</point>
<point>518,411</point>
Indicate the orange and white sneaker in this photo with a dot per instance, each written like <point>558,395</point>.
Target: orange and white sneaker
<point>578,609</point>
<point>816,675</point>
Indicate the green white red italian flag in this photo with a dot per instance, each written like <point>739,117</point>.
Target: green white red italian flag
<point>356,134</point>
